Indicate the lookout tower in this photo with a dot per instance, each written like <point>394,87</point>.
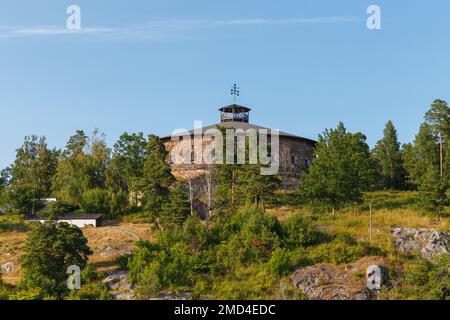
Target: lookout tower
<point>234,113</point>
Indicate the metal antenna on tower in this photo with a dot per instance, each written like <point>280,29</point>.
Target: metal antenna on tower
<point>235,92</point>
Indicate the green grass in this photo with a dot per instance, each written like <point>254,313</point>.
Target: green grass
<point>389,208</point>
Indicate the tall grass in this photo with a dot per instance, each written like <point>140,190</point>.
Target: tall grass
<point>389,208</point>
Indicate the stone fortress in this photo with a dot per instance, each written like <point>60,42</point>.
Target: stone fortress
<point>295,153</point>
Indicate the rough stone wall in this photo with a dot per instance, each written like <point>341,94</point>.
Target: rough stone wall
<point>295,156</point>
<point>185,171</point>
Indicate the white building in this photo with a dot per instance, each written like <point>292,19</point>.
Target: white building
<point>79,220</point>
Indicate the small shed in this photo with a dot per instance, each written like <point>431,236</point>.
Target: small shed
<point>79,220</point>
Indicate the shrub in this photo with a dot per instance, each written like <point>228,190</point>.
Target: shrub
<point>297,231</point>
<point>342,249</point>
<point>91,291</point>
<point>279,263</point>
<point>250,236</point>
<point>92,287</point>
<point>154,266</point>
<point>428,280</point>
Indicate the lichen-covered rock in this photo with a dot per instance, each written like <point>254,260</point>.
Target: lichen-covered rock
<point>376,277</point>
<point>428,242</point>
<point>328,282</point>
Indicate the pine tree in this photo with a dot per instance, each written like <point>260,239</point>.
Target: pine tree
<point>423,161</point>
<point>432,190</point>
<point>438,117</point>
<point>175,209</point>
<point>389,158</point>
<point>50,249</point>
<point>241,184</point>
<point>157,176</point>
<point>420,155</point>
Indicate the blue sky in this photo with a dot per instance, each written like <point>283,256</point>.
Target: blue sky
<point>155,66</point>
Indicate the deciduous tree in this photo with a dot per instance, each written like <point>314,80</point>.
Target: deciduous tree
<point>342,169</point>
<point>31,174</point>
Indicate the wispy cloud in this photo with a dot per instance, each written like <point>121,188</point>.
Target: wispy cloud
<point>293,22</point>
<point>164,28</point>
<point>35,31</point>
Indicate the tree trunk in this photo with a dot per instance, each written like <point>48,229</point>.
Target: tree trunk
<point>441,156</point>
<point>208,183</point>
<point>191,196</point>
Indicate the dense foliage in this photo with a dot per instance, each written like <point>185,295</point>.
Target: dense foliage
<point>342,170</point>
<point>427,280</point>
<point>188,258</point>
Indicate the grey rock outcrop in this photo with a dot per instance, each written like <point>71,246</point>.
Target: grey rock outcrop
<point>327,282</point>
<point>428,242</point>
<point>169,295</point>
<point>120,287</point>
<point>7,267</point>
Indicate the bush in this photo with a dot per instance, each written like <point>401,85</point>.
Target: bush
<point>279,263</point>
<point>428,280</point>
<point>298,231</point>
<point>343,249</point>
<point>92,287</point>
<point>91,291</point>
<point>153,267</point>
<point>249,237</point>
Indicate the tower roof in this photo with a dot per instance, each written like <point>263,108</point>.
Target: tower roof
<point>234,108</point>
<point>244,126</point>
<point>234,113</point>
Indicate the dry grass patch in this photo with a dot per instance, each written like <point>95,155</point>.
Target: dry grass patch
<point>358,224</point>
<point>11,249</point>
<point>108,243</point>
<point>114,240</point>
